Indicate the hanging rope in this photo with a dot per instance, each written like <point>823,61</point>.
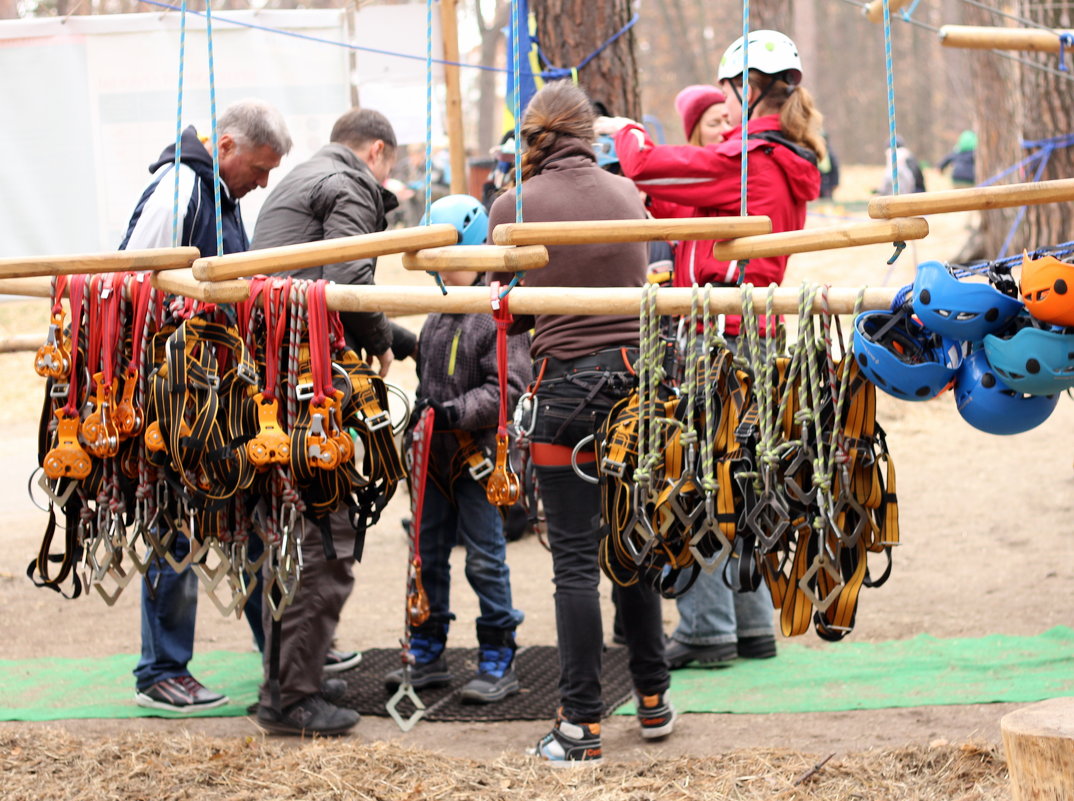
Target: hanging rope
<point>179,126</point>
<point>429,127</point>
<point>745,104</point>
<point>516,110</point>
<point>215,133</point>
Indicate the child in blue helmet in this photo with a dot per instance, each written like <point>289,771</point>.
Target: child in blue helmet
<point>458,378</point>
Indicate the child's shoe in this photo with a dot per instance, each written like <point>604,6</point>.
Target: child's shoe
<point>430,667</point>
<point>495,679</point>
<point>655,714</point>
<point>570,745</point>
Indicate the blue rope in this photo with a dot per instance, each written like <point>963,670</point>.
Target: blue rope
<point>516,108</point>
<point>745,105</point>
<point>179,127</point>
<point>429,128</point>
<point>890,77</point>
<point>1006,263</point>
<point>550,74</point>
<point>907,12</point>
<point>215,137</point>
<point>1045,157</point>
<point>1065,40</point>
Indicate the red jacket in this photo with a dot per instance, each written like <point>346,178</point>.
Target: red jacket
<point>691,181</point>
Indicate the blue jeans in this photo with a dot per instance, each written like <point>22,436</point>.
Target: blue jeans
<point>169,613</point>
<point>476,524</point>
<point>711,613</point>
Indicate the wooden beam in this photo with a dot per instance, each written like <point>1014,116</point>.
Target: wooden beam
<point>874,11</point>
<point>582,300</point>
<point>328,251</point>
<point>972,37</point>
<point>21,343</point>
<point>589,231</point>
<point>449,30</point>
<point>183,282</point>
<point>112,262</point>
<point>836,236</point>
<point>976,198</point>
<point>28,287</point>
<point>481,258</point>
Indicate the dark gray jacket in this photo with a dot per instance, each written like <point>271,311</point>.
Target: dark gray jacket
<point>331,195</point>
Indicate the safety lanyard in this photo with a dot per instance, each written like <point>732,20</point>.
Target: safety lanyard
<point>503,488</point>
<point>78,288</point>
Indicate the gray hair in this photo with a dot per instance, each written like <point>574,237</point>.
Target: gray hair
<point>254,123</point>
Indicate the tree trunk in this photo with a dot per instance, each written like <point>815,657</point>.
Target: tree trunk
<point>572,30</point>
<point>490,106</point>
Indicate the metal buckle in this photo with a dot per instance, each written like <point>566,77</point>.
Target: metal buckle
<point>304,392</point>
<point>482,469</point>
<point>59,391</point>
<point>247,373</point>
<point>378,421</point>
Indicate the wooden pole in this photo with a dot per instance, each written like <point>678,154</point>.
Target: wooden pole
<point>119,261</point>
<point>481,258</point>
<point>588,231</point>
<point>971,37</point>
<point>328,251</point>
<point>183,282</point>
<point>449,29</point>
<point>1039,743</point>
<point>20,343</point>
<point>27,287</point>
<point>837,236</point>
<point>976,198</point>
<point>874,11</point>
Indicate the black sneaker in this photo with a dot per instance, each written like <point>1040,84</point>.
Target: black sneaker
<point>655,714</point>
<point>763,647</point>
<point>338,661</point>
<point>180,694</point>
<point>680,654</point>
<point>311,715</point>
<point>431,674</point>
<point>570,745</point>
<point>495,679</point>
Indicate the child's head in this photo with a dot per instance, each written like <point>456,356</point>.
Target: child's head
<point>459,278</point>
<point>701,109</point>
<point>464,212</point>
<point>775,87</point>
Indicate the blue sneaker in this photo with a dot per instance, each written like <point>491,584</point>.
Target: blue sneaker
<point>430,665</point>
<point>495,679</point>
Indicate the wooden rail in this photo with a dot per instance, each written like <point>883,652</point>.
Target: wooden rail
<point>28,287</point>
<point>481,258</point>
<point>118,261</point>
<point>837,236</point>
<point>976,198</point>
<point>584,232</point>
<point>328,251</point>
<point>183,282</point>
<point>987,38</point>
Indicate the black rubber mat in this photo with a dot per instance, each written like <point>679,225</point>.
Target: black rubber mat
<point>538,672</point>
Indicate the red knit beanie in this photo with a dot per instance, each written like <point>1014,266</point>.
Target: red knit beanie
<point>693,101</point>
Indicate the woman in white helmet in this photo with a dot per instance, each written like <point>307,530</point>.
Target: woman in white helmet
<point>784,145</point>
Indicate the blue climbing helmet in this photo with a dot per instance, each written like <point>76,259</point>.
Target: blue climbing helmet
<point>1032,359</point>
<point>989,405</point>
<point>607,158</point>
<point>902,357</point>
<point>961,310</point>
<point>464,212</point>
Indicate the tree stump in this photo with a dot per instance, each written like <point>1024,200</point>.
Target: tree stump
<point>1039,742</point>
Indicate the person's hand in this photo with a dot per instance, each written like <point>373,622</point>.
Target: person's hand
<point>384,361</point>
<point>445,418</point>
<point>610,126</point>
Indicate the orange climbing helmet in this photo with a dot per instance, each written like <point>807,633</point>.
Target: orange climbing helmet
<point>1047,288</point>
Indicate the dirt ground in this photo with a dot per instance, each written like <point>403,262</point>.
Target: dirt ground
<point>987,548</point>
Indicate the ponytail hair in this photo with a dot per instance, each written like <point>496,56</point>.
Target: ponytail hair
<point>559,109</point>
<point>799,119</point>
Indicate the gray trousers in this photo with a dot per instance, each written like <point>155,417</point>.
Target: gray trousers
<point>309,622</point>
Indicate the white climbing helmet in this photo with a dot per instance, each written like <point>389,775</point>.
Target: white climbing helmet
<point>771,52</point>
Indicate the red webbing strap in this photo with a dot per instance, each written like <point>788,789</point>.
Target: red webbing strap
<point>78,288</point>
<point>111,294</point>
<point>59,286</point>
<point>320,358</point>
<point>141,291</point>
<point>278,294</point>
<point>93,324</point>
<point>419,471</point>
<point>502,315</point>
<point>244,310</point>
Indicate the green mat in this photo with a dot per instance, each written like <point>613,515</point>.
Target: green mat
<point>59,689</point>
<point>923,671</point>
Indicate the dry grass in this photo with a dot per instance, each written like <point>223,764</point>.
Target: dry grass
<point>43,765</point>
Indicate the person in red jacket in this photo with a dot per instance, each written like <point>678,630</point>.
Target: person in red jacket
<point>703,179</point>
<point>784,145</point>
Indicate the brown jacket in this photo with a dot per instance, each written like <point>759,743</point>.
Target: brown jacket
<point>570,186</point>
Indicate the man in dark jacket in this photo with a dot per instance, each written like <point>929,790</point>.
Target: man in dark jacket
<point>337,192</point>
<point>252,138</point>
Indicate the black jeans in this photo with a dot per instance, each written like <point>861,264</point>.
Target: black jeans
<point>572,508</point>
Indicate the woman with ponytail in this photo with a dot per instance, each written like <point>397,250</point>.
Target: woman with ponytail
<point>703,179</point>
<point>582,365</point>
